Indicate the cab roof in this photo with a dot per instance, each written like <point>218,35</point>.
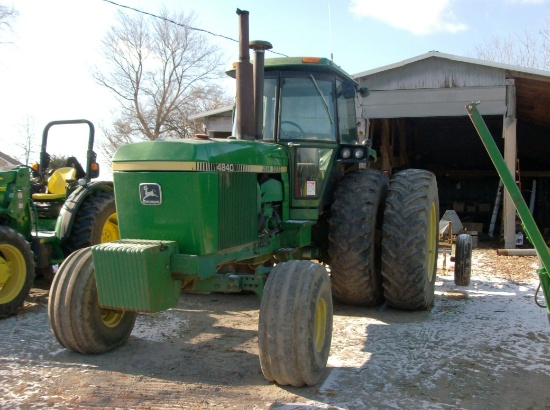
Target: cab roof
<point>300,64</point>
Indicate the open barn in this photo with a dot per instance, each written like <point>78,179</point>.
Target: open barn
<point>416,119</point>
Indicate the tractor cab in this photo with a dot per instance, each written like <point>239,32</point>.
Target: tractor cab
<point>309,106</point>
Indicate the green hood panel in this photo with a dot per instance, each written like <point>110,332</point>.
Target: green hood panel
<point>223,151</point>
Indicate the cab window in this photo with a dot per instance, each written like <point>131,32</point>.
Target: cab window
<point>307,109</point>
<point>347,122</point>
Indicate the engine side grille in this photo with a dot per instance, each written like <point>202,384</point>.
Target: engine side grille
<point>238,209</point>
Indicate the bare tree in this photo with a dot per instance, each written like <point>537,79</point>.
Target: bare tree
<point>28,142</point>
<point>525,50</point>
<point>158,71</point>
<point>545,52</point>
<point>204,99</point>
<point>119,133</point>
<point>7,16</point>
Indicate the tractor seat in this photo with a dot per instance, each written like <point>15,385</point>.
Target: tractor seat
<point>56,184</point>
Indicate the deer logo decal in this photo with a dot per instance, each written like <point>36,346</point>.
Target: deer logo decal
<point>150,194</point>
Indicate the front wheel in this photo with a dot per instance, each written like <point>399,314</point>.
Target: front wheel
<point>76,319</point>
<point>16,271</point>
<point>410,240</point>
<point>295,326</point>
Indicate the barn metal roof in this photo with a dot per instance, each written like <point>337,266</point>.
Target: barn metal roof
<point>508,67</point>
<point>532,85</point>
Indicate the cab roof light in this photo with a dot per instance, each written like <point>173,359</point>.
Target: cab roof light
<point>313,60</point>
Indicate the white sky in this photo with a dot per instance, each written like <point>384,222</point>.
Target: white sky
<point>45,73</point>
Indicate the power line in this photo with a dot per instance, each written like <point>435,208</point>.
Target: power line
<point>179,24</point>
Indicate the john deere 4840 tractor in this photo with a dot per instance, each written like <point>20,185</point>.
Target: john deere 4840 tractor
<point>45,218</point>
<point>264,211</point>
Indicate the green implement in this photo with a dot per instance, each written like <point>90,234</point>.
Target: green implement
<point>529,225</point>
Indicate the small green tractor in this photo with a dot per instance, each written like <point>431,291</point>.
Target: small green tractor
<point>45,218</point>
<point>264,211</point>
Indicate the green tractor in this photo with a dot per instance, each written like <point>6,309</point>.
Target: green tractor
<point>264,211</point>
<point>44,218</point>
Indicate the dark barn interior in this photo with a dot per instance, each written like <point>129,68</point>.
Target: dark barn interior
<point>467,181</point>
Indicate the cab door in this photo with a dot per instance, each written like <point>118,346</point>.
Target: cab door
<point>307,126</point>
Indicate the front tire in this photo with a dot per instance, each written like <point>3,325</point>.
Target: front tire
<point>463,259</point>
<point>410,240</point>
<point>295,326</point>
<point>95,222</point>
<point>355,228</point>
<point>76,319</point>
<point>16,271</point>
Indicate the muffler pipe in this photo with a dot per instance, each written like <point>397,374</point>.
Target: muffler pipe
<point>259,48</point>
<point>245,92</point>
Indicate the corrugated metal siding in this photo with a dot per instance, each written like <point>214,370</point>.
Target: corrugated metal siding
<point>438,102</point>
<point>435,73</point>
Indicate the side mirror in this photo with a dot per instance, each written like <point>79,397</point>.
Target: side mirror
<point>348,90</point>
<point>364,92</point>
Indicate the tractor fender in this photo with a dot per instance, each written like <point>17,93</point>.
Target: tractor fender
<point>72,205</point>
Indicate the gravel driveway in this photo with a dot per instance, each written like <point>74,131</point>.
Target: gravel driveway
<point>485,346</point>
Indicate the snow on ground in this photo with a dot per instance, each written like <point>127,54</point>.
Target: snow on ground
<point>476,343</point>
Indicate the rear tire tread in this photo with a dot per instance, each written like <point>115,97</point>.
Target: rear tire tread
<point>411,195</point>
<point>354,238</point>
<point>89,221</point>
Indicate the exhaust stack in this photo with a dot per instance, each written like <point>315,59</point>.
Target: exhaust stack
<point>259,48</point>
<point>245,92</point>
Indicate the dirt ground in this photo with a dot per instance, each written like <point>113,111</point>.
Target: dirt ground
<point>483,346</point>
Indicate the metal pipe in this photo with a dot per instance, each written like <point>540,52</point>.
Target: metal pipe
<point>529,225</point>
<point>517,252</point>
<point>259,48</point>
<point>245,92</point>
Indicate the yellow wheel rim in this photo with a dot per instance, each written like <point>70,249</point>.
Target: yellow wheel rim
<point>320,324</point>
<point>13,272</point>
<point>111,318</point>
<point>432,242</point>
<point>110,232</point>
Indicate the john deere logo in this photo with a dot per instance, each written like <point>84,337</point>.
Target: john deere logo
<point>150,194</point>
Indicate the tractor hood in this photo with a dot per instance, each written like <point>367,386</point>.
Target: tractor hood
<point>199,154</point>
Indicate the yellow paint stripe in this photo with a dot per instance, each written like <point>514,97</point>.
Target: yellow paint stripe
<point>194,166</point>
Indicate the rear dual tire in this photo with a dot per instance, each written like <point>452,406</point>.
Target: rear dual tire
<point>410,240</point>
<point>406,240</point>
<point>355,233</point>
